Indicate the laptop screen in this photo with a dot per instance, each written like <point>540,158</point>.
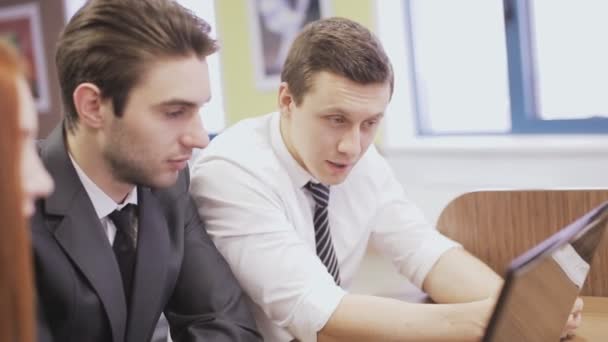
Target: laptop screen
<point>542,284</point>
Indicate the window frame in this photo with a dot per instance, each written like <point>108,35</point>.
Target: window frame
<point>524,115</point>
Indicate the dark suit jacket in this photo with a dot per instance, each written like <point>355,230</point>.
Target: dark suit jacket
<point>178,269</point>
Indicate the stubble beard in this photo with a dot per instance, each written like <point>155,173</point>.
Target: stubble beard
<point>127,165</point>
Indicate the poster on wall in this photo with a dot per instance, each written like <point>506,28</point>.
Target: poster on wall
<point>20,26</point>
<point>274,25</point>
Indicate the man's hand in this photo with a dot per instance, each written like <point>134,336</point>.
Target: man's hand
<point>574,320</point>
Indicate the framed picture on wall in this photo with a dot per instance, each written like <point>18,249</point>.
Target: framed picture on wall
<point>20,26</point>
<point>274,25</point>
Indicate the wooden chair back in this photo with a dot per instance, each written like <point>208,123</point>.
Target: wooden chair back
<point>497,226</point>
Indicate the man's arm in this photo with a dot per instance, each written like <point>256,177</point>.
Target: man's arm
<point>369,318</point>
<point>448,273</point>
<point>362,318</point>
<point>459,277</point>
<point>207,304</point>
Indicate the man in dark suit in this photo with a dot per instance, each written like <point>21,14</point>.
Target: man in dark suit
<point>119,241</point>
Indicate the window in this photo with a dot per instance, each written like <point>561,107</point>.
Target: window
<point>458,55</point>
<point>558,65</point>
<point>213,112</point>
<point>501,67</point>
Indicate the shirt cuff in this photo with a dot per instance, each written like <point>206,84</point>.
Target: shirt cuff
<point>315,310</point>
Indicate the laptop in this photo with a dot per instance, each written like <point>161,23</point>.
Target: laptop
<point>542,284</point>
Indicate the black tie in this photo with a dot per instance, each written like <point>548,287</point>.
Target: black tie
<point>325,247</point>
<point>124,245</point>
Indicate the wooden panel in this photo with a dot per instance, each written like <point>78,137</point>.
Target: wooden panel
<point>497,226</point>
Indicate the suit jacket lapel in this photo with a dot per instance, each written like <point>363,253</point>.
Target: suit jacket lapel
<point>151,266</point>
<point>80,233</point>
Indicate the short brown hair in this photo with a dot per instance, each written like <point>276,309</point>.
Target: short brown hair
<point>339,46</point>
<point>110,43</point>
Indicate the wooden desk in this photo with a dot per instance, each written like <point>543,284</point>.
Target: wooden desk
<point>595,321</point>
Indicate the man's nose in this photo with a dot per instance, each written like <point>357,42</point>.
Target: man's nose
<point>197,136</point>
<point>350,144</point>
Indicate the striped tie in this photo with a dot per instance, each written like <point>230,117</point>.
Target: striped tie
<point>325,247</point>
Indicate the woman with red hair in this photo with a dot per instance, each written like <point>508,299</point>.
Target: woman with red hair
<point>22,180</point>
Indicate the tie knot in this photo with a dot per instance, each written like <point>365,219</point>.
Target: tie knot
<point>123,219</point>
<point>320,193</point>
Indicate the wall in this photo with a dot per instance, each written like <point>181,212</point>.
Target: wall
<point>242,99</point>
<point>52,17</point>
<point>433,174</point>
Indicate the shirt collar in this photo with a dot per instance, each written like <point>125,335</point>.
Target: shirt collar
<point>103,204</point>
<point>297,174</point>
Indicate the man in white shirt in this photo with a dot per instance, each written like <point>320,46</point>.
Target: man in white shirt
<point>292,199</point>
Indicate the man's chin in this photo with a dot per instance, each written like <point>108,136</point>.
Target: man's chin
<point>165,181</point>
<point>168,181</point>
<point>334,182</point>
<point>332,179</point>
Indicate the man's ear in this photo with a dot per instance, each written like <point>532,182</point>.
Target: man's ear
<point>88,103</point>
<point>286,100</point>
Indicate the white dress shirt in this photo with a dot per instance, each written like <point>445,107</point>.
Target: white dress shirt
<point>250,193</point>
<point>104,205</point>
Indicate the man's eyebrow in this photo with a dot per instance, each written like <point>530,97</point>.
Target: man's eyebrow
<point>181,102</point>
<point>176,102</point>
<point>335,110</point>
<point>339,111</point>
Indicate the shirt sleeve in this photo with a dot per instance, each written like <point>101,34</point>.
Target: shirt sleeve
<point>400,231</point>
<point>278,270</point>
